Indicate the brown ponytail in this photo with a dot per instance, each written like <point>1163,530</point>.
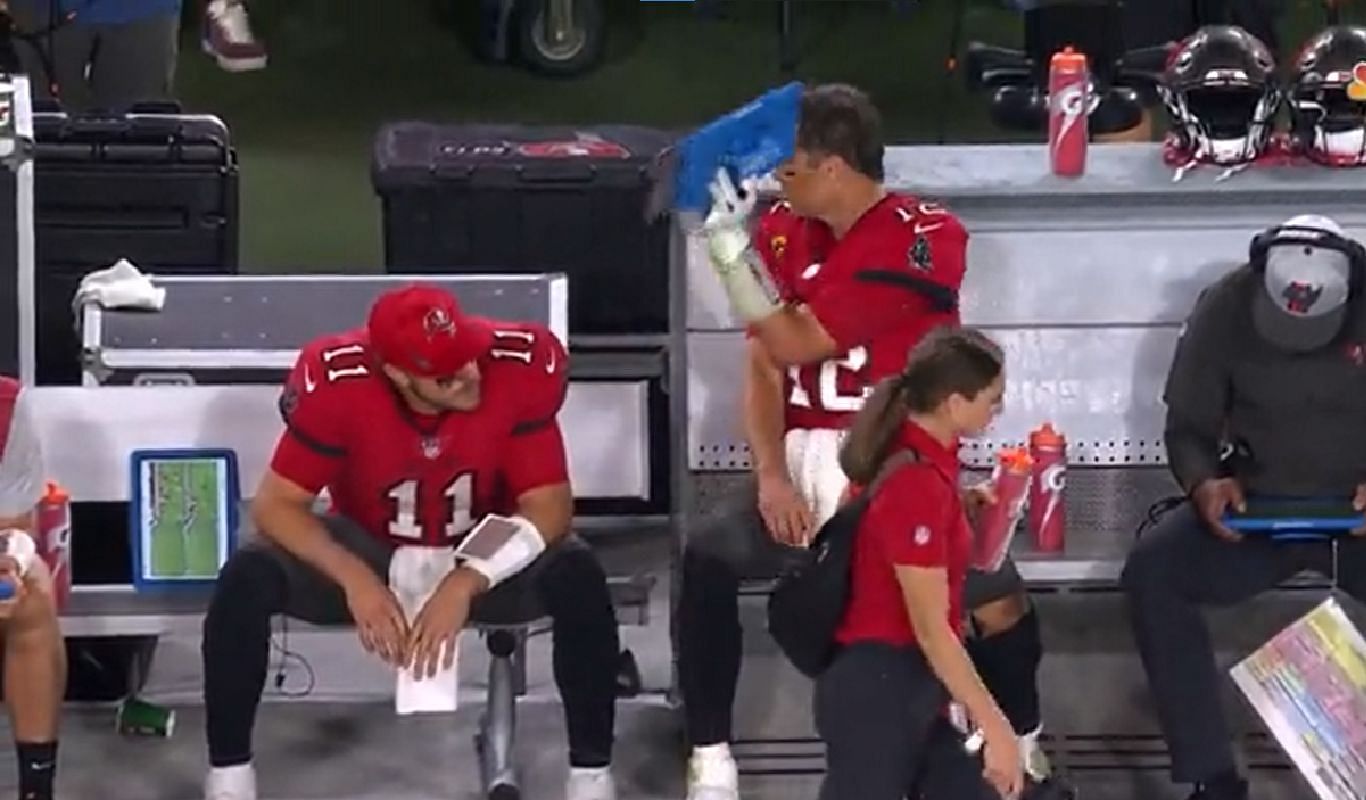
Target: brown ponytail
<point>872,431</point>
<point>946,362</point>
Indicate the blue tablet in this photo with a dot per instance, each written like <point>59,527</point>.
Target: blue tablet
<point>1296,517</point>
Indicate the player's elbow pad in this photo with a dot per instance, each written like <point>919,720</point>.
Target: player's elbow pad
<point>500,547</point>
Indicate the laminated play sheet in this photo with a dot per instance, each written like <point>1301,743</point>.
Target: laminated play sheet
<point>1308,684</point>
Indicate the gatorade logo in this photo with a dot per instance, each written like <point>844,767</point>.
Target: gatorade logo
<point>1356,90</point>
<point>1054,479</point>
<point>1071,103</point>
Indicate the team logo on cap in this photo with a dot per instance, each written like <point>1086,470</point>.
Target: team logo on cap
<point>438,322</point>
<point>1300,297</point>
<point>1356,90</point>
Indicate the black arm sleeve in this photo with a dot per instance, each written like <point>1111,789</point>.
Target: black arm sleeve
<point>1197,392</point>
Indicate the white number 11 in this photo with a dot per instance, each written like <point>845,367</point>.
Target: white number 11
<point>406,525</point>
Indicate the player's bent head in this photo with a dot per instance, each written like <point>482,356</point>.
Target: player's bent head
<point>952,383</point>
<point>839,148</point>
<point>840,121</point>
<point>428,348</point>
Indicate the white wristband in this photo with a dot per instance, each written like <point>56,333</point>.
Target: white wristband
<point>500,547</point>
<point>19,546</point>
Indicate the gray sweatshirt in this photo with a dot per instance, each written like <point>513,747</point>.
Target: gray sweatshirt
<point>1298,419</point>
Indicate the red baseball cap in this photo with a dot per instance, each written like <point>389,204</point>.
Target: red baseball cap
<point>420,329</point>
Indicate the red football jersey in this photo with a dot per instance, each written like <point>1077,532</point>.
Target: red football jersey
<point>415,478</point>
<point>877,290</point>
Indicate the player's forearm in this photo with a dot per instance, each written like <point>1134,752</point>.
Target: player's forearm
<point>300,532</point>
<point>763,414</point>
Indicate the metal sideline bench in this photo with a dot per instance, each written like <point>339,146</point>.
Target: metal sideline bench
<point>1086,284</point>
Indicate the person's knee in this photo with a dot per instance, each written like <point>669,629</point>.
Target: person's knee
<point>32,622</point>
<point>1001,614</point>
<point>1147,568</point>
<point>707,575</point>
<point>573,585</point>
<point>250,585</point>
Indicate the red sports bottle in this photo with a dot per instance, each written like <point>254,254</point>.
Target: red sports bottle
<point>1047,511</point>
<point>53,539</point>
<point>1069,101</point>
<point>997,522</point>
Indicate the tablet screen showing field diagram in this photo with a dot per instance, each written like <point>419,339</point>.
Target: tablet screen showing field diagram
<point>185,518</point>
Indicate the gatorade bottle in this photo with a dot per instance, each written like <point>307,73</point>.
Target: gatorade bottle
<point>1069,104</point>
<point>1047,511</point>
<point>54,540</point>
<point>998,521</point>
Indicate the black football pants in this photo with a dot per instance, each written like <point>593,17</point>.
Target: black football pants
<point>261,580</point>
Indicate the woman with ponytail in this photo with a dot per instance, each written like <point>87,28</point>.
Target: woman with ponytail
<point>881,706</point>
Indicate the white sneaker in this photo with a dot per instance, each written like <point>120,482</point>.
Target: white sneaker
<point>712,774</point>
<point>1032,756</point>
<point>231,783</point>
<point>593,783</point>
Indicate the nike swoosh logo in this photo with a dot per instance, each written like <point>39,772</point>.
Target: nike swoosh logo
<point>919,229</point>
<point>550,365</point>
<point>309,383</point>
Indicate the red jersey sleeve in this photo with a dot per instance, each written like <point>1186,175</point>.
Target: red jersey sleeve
<point>911,263</point>
<point>774,234</point>
<point>911,517</point>
<point>535,454</point>
<point>312,447</point>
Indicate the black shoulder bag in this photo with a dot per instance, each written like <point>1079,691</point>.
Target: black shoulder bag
<point>809,599</point>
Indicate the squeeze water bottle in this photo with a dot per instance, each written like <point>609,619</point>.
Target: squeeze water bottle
<point>1047,509</point>
<point>54,540</point>
<point>1069,104</point>
<point>997,523</point>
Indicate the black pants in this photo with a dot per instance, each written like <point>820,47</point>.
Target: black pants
<point>880,711</point>
<point>732,545</point>
<point>1173,570</point>
<point>261,580</point>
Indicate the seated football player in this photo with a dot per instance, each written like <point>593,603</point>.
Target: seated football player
<point>35,653</point>
<point>418,425</point>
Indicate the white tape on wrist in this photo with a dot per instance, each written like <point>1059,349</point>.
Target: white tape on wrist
<point>500,547</point>
<point>19,546</point>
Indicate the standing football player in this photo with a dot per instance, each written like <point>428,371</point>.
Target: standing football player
<point>839,281</point>
<point>418,426</point>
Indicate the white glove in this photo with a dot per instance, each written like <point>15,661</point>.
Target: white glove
<point>740,269</point>
<point>727,225</point>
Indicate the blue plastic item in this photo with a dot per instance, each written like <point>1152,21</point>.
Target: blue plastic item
<point>1296,518</point>
<point>749,142</point>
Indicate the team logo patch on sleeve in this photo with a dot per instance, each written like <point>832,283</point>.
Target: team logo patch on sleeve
<point>920,256</point>
<point>778,245</point>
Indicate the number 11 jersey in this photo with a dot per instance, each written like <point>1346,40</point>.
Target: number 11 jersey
<point>877,290</point>
<point>418,479</point>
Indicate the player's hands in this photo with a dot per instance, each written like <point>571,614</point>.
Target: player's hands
<point>1001,764</point>
<point>432,641</point>
<point>785,512</point>
<point>976,498</point>
<point>1359,503</point>
<point>380,623</point>
<point>1212,498</point>
<point>727,223</point>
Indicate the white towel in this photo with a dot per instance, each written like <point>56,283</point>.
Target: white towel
<point>414,574</point>
<point>120,286</point>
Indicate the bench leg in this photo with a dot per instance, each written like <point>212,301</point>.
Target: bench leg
<point>497,726</point>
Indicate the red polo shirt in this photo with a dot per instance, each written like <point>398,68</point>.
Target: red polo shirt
<point>915,519</point>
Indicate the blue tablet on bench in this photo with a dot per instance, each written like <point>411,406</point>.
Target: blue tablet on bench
<point>1296,517</point>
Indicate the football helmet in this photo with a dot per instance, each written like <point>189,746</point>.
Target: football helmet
<point>1327,98</point>
<point>1220,87</point>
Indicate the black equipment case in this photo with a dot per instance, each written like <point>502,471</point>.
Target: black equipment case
<point>159,189</point>
<point>457,198</point>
